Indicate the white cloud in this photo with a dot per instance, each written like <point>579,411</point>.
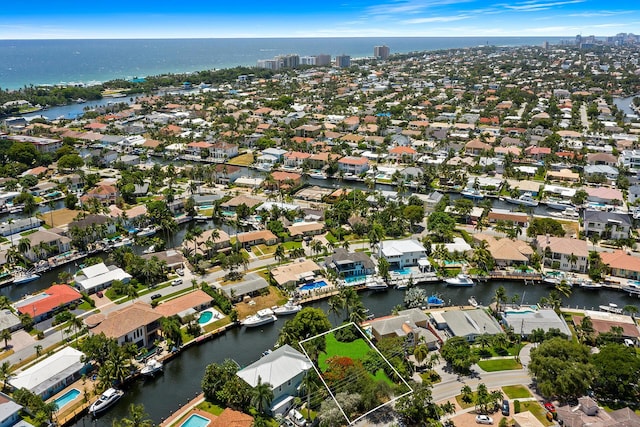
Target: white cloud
<point>435,19</point>
<point>535,6</point>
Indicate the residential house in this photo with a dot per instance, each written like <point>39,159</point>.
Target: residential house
<point>48,302</point>
<point>401,253</point>
<point>252,285</point>
<point>350,264</point>
<point>622,264</point>
<point>232,204</point>
<point>537,153</point>
<point>99,276</point>
<point>137,323</point>
<point>475,147</point>
<point>468,324</point>
<point>630,159</point>
<point>403,154</point>
<point>223,150</point>
<point>284,368</point>
<point>412,325</point>
<point>523,323</point>
<point>19,225</point>
<point>306,229</point>
<point>184,305</point>
<point>9,320</point>
<point>602,159</point>
<point>633,193</point>
<point>10,412</point>
<point>308,131</point>
<point>284,180</point>
<point>563,253</point>
<point>295,273</point>
<point>205,244</point>
<point>295,159</point>
<point>94,221</point>
<point>608,225</point>
<point>259,237</point>
<point>52,374</point>
<point>106,194</point>
<point>609,172</point>
<point>519,218</point>
<point>43,145</point>
<point>506,252</point>
<point>199,148</point>
<point>606,195</point>
<point>353,165</point>
<point>44,243</point>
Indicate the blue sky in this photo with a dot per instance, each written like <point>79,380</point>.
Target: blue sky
<point>38,19</point>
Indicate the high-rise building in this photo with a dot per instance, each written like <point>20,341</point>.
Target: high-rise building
<point>289,61</point>
<point>381,52</point>
<point>307,60</point>
<point>323,60</point>
<point>343,61</point>
<point>270,64</point>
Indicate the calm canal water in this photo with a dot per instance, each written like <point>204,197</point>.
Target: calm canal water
<point>181,379</point>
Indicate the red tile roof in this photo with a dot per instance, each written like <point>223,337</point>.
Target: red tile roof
<point>57,295</point>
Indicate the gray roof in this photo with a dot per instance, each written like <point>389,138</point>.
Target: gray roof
<point>252,283</point>
<point>342,256</point>
<point>19,223</point>
<point>525,322</point>
<point>8,320</point>
<point>276,368</point>
<point>7,407</point>
<point>602,216</point>
<point>416,315</point>
<point>464,323</point>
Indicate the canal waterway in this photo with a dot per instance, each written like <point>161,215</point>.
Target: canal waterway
<point>180,382</point>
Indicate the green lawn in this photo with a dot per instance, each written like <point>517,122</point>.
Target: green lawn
<point>380,375</point>
<point>516,391</point>
<point>494,365</point>
<point>217,324</point>
<point>291,245</point>
<point>354,350</point>
<point>464,405</point>
<point>537,410</point>
<point>210,408</point>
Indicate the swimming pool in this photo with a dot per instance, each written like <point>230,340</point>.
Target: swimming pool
<point>195,420</point>
<point>205,317</point>
<point>521,311</point>
<point>227,213</point>
<point>314,285</point>
<point>67,398</point>
<point>403,271</point>
<point>355,279</point>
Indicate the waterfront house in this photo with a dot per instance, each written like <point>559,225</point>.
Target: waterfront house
<point>94,221</point>
<point>199,149</point>
<point>232,204</point>
<point>402,154</point>
<point>52,374</point>
<point>524,321</point>
<point>299,229</point>
<point>466,323</point>
<point>19,225</point>
<point>622,264</point>
<point>295,159</point>
<point>48,302</point>
<point>401,253</point>
<point>295,273</point>
<point>612,196</point>
<point>10,412</point>
<point>184,305</point>
<point>608,225</point>
<point>43,145</point>
<point>353,165</point>
<point>633,193</point>
<point>506,252</point>
<point>563,253</point>
<point>410,324</point>
<point>283,369</point>
<point>99,276</point>
<point>519,218</point>
<point>173,259</point>
<point>106,194</point>
<point>251,285</point>
<point>137,323</point>
<point>259,237</point>
<point>223,150</point>
<point>45,243</point>
<point>350,264</point>
<point>587,413</point>
<point>205,244</point>
<point>283,180</point>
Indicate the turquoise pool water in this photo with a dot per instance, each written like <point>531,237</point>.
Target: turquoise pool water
<point>205,317</point>
<point>355,279</point>
<point>314,285</point>
<point>195,420</point>
<point>66,398</point>
<point>403,271</point>
<point>226,213</point>
<point>205,207</point>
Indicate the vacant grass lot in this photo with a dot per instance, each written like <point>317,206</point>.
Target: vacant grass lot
<point>538,411</point>
<point>242,160</point>
<point>494,365</point>
<point>516,391</point>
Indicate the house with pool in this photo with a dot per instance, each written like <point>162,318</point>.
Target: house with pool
<point>137,323</point>
<point>297,273</point>
<point>10,412</point>
<point>525,320</point>
<point>402,253</point>
<point>351,266</point>
<point>184,305</point>
<point>52,374</point>
<point>284,369</point>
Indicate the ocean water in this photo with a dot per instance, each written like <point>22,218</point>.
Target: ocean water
<point>37,62</point>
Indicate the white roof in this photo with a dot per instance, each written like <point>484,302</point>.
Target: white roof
<point>95,270</point>
<point>102,279</point>
<point>276,368</point>
<point>45,374</point>
<point>399,247</point>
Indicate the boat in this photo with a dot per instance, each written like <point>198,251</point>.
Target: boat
<point>317,175</point>
<point>25,278</point>
<point>525,199</point>
<point>567,213</point>
<point>288,308</point>
<point>201,218</point>
<point>435,301</point>
<point>15,208</point>
<point>459,280</point>
<point>471,193</point>
<point>152,367</point>
<point>473,302</point>
<point>124,242</point>
<point>589,284</point>
<point>558,204</point>
<point>350,177</point>
<point>106,400</point>
<point>553,278</point>
<point>402,284</point>
<point>151,249</point>
<point>611,308</point>
<point>262,317</point>
<point>147,231</point>
<point>375,283</point>
<point>263,167</point>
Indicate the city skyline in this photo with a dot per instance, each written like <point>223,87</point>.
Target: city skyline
<point>391,18</point>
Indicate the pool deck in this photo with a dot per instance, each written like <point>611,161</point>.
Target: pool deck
<point>190,408</point>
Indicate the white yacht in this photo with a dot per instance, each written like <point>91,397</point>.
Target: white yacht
<point>152,367</point>
<point>375,283</point>
<point>317,175</point>
<point>151,249</point>
<point>262,317</point>
<point>147,231</point>
<point>611,308</point>
<point>473,302</point>
<point>25,277</point>
<point>460,280</point>
<point>524,200</point>
<point>106,400</point>
<point>288,308</point>
<point>471,193</point>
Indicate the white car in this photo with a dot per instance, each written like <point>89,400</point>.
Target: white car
<point>297,418</point>
<point>176,282</point>
<point>484,419</point>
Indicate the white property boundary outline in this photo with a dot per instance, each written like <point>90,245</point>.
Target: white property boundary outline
<point>316,368</point>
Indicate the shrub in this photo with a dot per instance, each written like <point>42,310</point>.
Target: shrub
<point>516,406</point>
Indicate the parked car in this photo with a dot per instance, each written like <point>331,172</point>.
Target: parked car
<point>484,419</point>
<point>156,296</point>
<point>99,294</point>
<point>505,407</point>
<point>176,282</point>
<point>180,272</point>
<point>549,407</point>
<point>297,418</point>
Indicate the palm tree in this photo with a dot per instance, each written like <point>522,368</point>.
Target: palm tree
<point>336,305</point>
<point>5,374</point>
<point>38,349</point>
<point>137,418</point>
<point>261,396</point>
<point>279,253</point>
<point>420,352</point>
<point>6,336</point>
<point>500,297</point>
<point>484,340</point>
<point>631,309</point>
<point>24,245</point>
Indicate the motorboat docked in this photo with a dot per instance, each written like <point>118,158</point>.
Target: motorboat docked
<point>375,283</point>
<point>611,308</point>
<point>201,218</point>
<point>459,280</point>
<point>558,204</point>
<point>25,277</point>
<point>147,231</point>
<point>123,242</point>
<point>106,400</point>
<point>288,308</point>
<point>152,367</point>
<point>590,284</point>
<point>553,278</point>
<point>317,175</point>
<point>473,302</point>
<point>262,317</point>
<point>435,301</point>
<point>151,249</point>
<point>525,199</point>
<point>567,213</point>
<point>472,193</point>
